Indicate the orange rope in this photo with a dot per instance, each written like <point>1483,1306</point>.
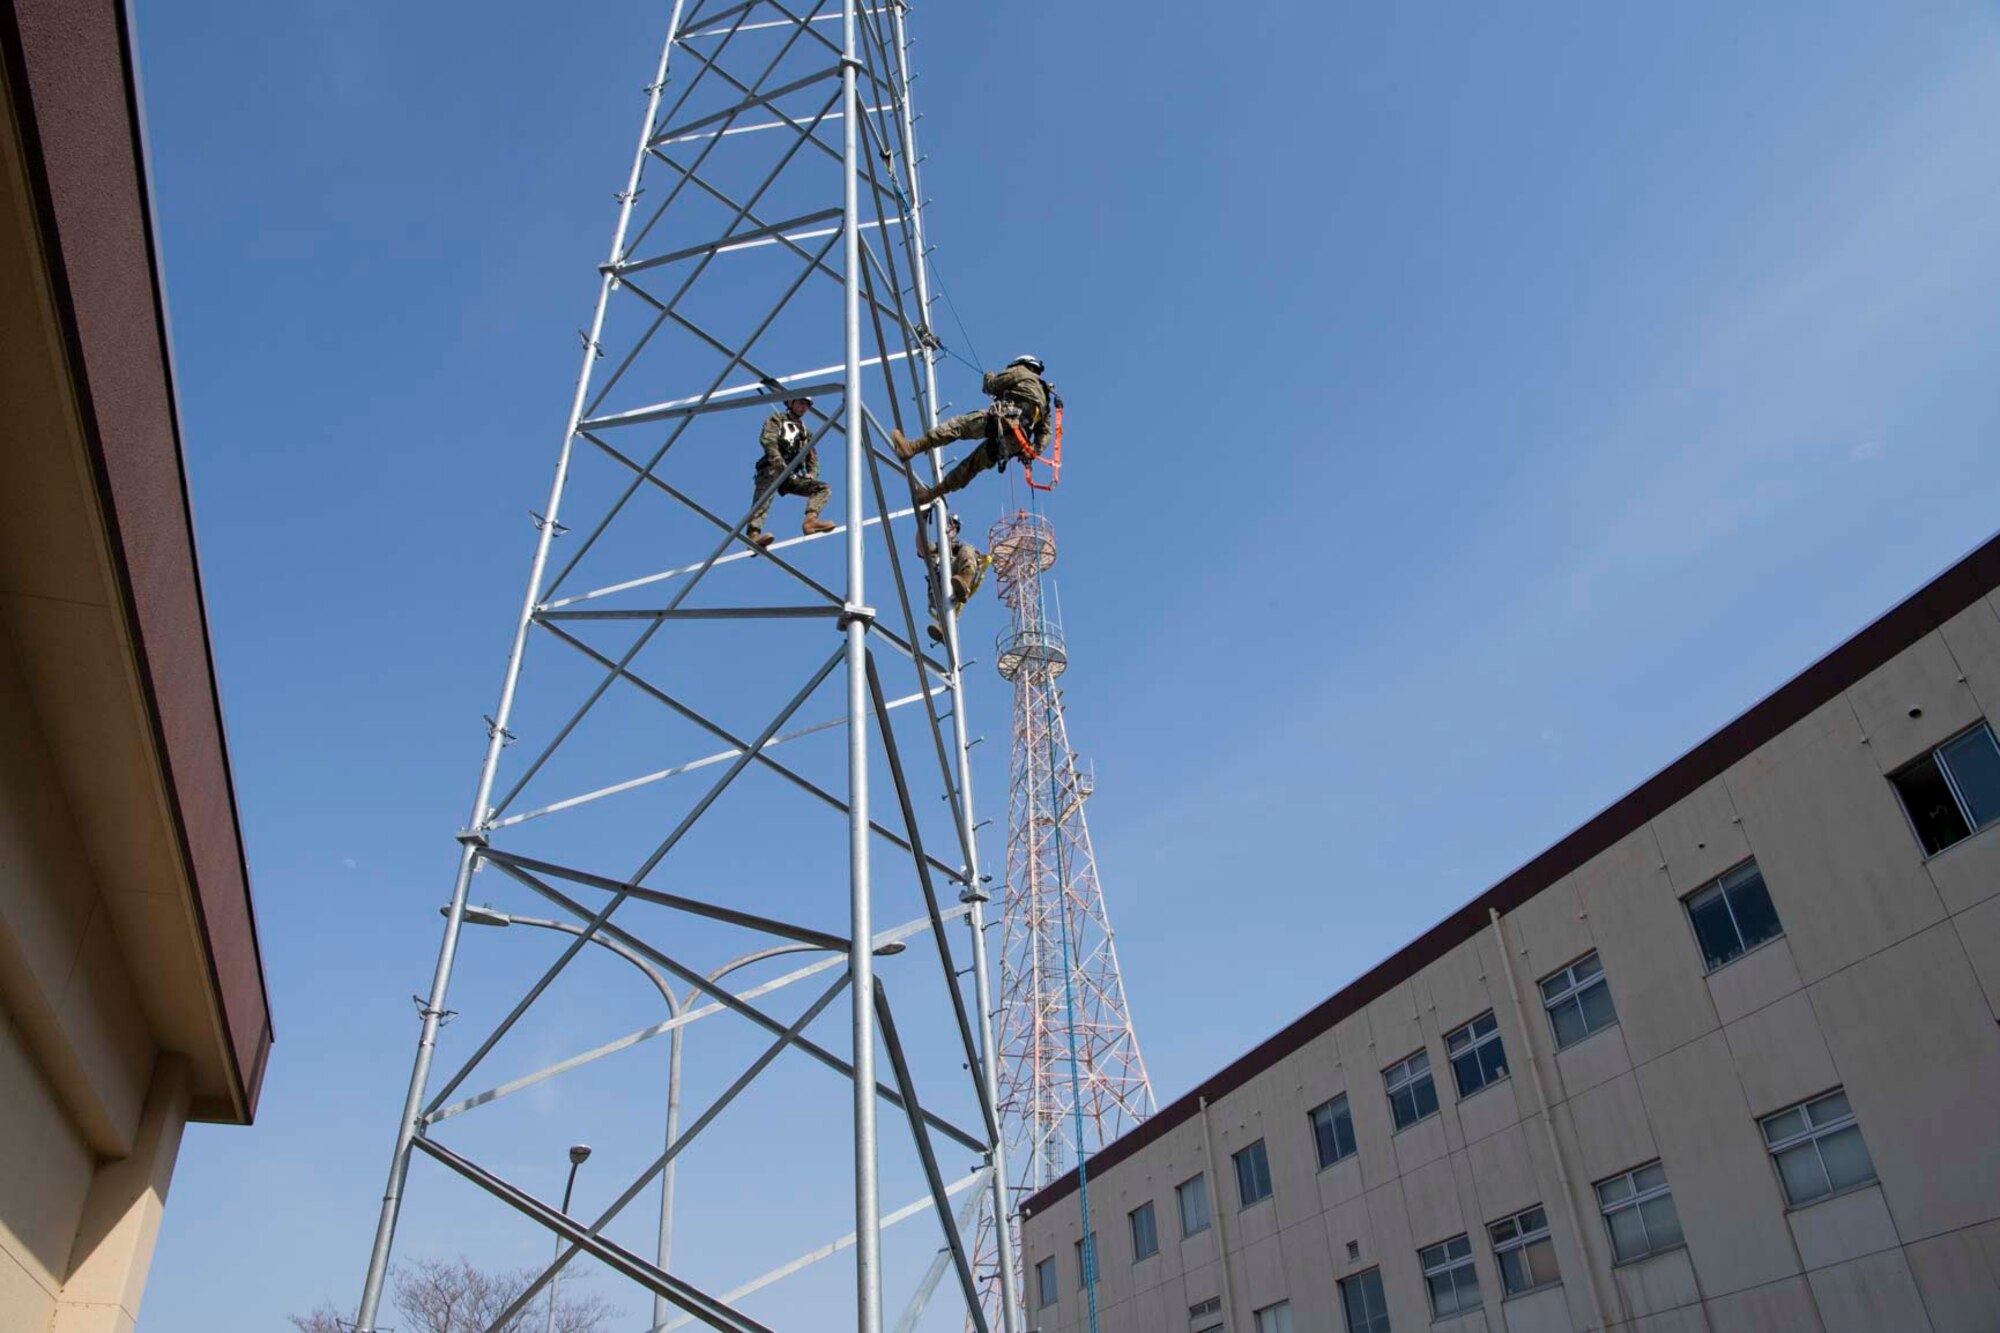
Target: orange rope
<point>1030,456</point>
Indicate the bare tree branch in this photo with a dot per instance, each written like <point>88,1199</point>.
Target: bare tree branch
<point>454,1296</point>
<point>322,1320</point>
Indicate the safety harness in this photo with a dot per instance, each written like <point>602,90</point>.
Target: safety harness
<point>1030,455</point>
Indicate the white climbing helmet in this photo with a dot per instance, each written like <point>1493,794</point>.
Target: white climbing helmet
<point>1033,363</point>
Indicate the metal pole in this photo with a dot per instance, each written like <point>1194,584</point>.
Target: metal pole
<point>660,1307</point>
<point>471,840</point>
<point>1542,1105</point>
<point>577,1157</point>
<point>973,895</point>
<point>662,1311</point>
<point>861,961</point>
<point>1215,1215</point>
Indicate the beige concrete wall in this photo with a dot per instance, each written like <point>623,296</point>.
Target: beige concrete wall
<point>112,1251</point>
<point>1886,982</point>
<point>63,977</point>
<point>77,1231</point>
<point>90,1110</point>
<point>44,1176</point>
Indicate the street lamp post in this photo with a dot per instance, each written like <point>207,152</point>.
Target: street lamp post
<point>487,916</point>
<point>578,1155</point>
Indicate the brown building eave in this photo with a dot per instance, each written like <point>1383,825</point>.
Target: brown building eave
<point>73,90</point>
<point>1924,611</point>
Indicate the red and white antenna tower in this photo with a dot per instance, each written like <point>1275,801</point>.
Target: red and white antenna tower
<point>1071,1078</point>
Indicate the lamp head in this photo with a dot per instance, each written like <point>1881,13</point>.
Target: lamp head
<point>480,916</point>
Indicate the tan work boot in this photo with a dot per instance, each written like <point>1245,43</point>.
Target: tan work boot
<point>905,448</point>
<point>813,527</point>
<point>759,539</point>
<point>923,497</point>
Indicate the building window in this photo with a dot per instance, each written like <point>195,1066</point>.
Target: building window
<point>1045,1282</point>
<point>1476,1056</point>
<point>1954,791</point>
<point>1818,1148</point>
<point>1522,1248</point>
<point>1333,1131</point>
<point>1206,1317</point>
<point>1193,1197</point>
<point>1253,1175</point>
<point>1086,1261</point>
<point>1733,915</point>
<point>1639,1213</point>
<point>1362,1301</point>
<point>1274,1318</point>
<point>1578,1000</point>
<point>1145,1232</point>
<point>1448,1272</point>
<point>1412,1095</point>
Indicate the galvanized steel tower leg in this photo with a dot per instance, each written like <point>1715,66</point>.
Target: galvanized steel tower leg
<point>496,739</point>
<point>975,896</point>
<point>856,621</point>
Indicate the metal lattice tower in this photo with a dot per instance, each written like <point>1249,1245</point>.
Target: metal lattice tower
<point>1071,1077</point>
<point>700,726</point>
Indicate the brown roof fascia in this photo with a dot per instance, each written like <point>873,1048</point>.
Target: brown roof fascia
<point>75,89</point>
<point>1917,615</point>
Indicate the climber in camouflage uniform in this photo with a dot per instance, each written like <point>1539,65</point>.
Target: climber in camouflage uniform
<point>968,567</point>
<point>783,436</point>
<point>1020,400</point>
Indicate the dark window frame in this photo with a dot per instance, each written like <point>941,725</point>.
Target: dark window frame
<point>1257,1158</point>
<point>1200,1179</point>
<point>1450,1261</point>
<point>1573,992</point>
<point>1936,758</point>
<point>1737,877</point>
<point>1152,1229</point>
<point>1277,1312</point>
<point>1477,1045</point>
<point>1047,1284</point>
<point>1332,1130</point>
<point>1522,1233</point>
<point>1404,1076</point>
<point>1359,1284</point>
<point>1816,1124</point>
<point>1633,1201</point>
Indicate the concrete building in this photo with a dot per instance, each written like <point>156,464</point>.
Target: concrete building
<point>1725,1058</point>
<point>130,982</point>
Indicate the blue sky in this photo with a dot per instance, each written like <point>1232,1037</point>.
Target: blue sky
<point>1470,409</point>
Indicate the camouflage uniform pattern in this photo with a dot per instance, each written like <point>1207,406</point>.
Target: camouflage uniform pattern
<point>968,567</point>
<point>783,436</point>
<point>1019,398</point>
